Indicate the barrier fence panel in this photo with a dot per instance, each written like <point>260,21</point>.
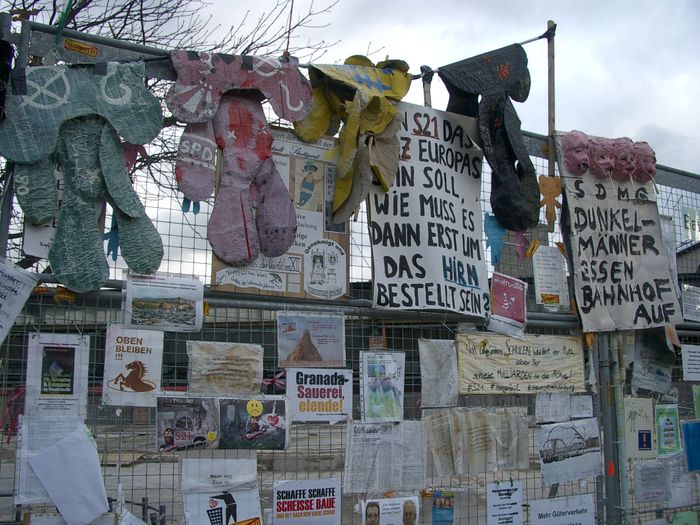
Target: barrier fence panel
<point>126,436</point>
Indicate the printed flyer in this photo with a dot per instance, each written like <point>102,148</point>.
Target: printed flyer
<point>258,423</point>
<point>187,422</point>
<point>443,512</point>
<point>668,431</point>
<point>504,503</point>
<point>172,303</point>
<point>507,305</point>
<point>381,455</point>
<point>220,491</point>
<point>307,502</point>
<point>382,386</point>
<point>319,394</point>
<point>691,302</point>
<point>438,373</point>
<point>639,427</point>
<point>579,510</point>
<point>691,362</point>
<point>133,360</point>
<point>315,340</point>
<point>391,511</point>
<point>15,288</point>
<point>57,375</point>
<point>549,269</point>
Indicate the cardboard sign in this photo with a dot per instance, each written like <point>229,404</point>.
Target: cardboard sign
<point>620,263</point>
<point>426,231</point>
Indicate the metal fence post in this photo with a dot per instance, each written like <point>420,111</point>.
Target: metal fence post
<point>609,430</point>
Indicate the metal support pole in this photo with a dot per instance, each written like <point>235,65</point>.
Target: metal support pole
<point>609,431</point>
<point>6,208</point>
<point>616,352</point>
<point>551,157</point>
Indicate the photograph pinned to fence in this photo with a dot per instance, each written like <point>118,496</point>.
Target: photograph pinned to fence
<point>310,340</point>
<point>173,303</point>
<point>258,423</point>
<point>187,422</point>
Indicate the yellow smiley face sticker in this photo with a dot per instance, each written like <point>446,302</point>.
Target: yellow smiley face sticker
<point>211,436</point>
<point>254,407</point>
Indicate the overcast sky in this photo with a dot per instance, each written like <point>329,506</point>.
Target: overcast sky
<point>623,68</point>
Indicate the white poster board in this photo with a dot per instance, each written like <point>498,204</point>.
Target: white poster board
<point>620,268</point>
<point>319,394</point>
<point>16,285</point>
<point>307,502</point>
<point>57,375</point>
<point>133,360</point>
<point>426,231</point>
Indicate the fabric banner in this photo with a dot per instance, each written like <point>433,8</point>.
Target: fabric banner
<point>426,231</point>
<point>498,364</point>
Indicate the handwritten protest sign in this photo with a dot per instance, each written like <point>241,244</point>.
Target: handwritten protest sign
<point>620,264</point>
<point>426,230</point>
<point>497,364</point>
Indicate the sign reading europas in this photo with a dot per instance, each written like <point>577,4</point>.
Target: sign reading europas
<point>426,231</point>
<point>620,263</point>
